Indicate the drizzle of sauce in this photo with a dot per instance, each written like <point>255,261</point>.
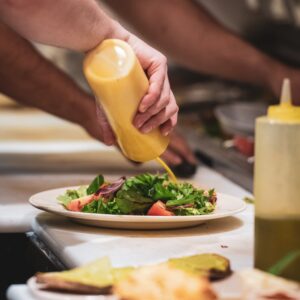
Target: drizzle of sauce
<point>167,168</point>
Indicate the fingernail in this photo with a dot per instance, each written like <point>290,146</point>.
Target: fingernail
<point>166,132</point>
<point>137,124</point>
<point>146,129</point>
<point>142,109</point>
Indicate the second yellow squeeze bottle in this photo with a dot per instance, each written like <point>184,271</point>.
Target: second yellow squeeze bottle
<point>277,186</point>
<point>119,83</point>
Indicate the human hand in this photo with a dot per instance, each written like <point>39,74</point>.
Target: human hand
<point>178,151</point>
<point>97,124</point>
<point>158,107</point>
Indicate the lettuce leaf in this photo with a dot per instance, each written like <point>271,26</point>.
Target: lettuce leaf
<point>82,191</point>
<point>192,211</point>
<point>101,207</point>
<point>95,185</point>
<point>133,202</point>
<point>144,184</point>
<point>138,193</point>
<point>70,195</point>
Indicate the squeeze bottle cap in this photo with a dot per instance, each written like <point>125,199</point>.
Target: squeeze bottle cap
<point>285,111</point>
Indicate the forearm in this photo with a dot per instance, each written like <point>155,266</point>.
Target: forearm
<point>186,32</point>
<point>82,25</point>
<point>31,80</point>
<point>76,24</point>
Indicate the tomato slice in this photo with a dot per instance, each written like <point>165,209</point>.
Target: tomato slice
<point>159,209</point>
<point>78,204</point>
<point>245,145</point>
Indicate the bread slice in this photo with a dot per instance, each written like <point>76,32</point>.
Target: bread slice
<point>261,285</point>
<point>93,278</point>
<point>210,265</point>
<point>163,282</point>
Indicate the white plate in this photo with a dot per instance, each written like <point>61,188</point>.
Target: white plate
<point>226,206</point>
<point>37,291</point>
<point>229,289</point>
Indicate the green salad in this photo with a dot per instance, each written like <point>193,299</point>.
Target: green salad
<point>144,194</point>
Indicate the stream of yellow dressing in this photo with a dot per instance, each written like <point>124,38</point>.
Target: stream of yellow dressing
<point>167,168</point>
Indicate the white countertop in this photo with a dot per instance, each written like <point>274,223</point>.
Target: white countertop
<point>76,245</point>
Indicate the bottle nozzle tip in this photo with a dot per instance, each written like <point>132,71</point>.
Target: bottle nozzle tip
<point>286,91</point>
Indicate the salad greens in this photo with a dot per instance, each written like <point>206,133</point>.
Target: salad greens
<point>70,195</point>
<point>101,207</point>
<point>95,184</point>
<point>138,195</point>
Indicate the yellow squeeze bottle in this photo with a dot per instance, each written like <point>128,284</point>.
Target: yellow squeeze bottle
<point>119,83</point>
<point>277,186</point>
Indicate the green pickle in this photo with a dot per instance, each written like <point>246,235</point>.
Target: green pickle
<point>274,240</point>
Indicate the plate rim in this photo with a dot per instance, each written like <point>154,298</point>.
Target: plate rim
<point>135,218</point>
<point>35,290</point>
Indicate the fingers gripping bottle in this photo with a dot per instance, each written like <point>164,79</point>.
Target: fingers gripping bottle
<point>119,83</point>
<point>277,186</point>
